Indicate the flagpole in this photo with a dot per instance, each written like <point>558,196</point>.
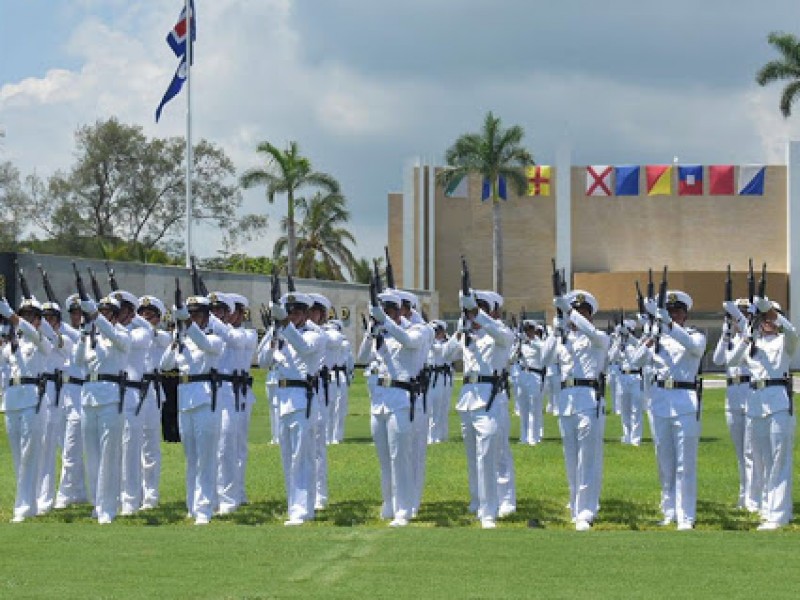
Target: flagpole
<point>189,51</point>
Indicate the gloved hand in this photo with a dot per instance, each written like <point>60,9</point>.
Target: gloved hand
<point>726,328</point>
<point>558,324</point>
<point>377,313</point>
<point>467,302</point>
<point>180,314</point>
<point>662,314</point>
<point>464,324</point>
<point>651,306</point>
<point>278,311</point>
<point>620,329</point>
<point>5,308</point>
<point>732,309</point>
<point>88,306</point>
<point>562,304</point>
<point>763,305</point>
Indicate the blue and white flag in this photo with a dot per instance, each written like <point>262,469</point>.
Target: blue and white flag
<point>751,180</point>
<point>174,87</point>
<point>177,37</point>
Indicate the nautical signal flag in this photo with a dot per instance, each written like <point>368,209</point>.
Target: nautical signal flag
<point>486,188</point>
<point>174,88</point>
<point>539,179</point>
<point>720,180</point>
<point>659,180</point>
<point>598,180</point>
<point>627,180</point>
<point>176,38</point>
<point>751,180</point>
<point>690,180</point>
<point>458,187</point>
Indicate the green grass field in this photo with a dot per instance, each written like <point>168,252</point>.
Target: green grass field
<point>348,552</point>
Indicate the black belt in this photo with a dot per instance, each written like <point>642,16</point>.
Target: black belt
<point>498,382</point>
<point>669,384</point>
<point>631,371</point>
<point>58,382</point>
<point>760,384</point>
<point>492,379</point>
<point>408,386</point>
<point>94,377</point>
<point>737,379</point>
<point>571,382</point>
<point>212,377</point>
<point>539,372</point>
<point>24,381</point>
<point>307,383</point>
<point>155,379</point>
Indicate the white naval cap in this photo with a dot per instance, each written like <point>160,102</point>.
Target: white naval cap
<point>221,298</point>
<point>197,302</point>
<point>532,323</point>
<point>484,296</point>
<point>321,300</point>
<point>576,298</point>
<point>51,308</point>
<point>630,324</point>
<point>124,296</point>
<point>108,302</point>
<point>390,297</point>
<point>296,298</point>
<point>73,302</point>
<point>438,324</point>
<point>30,304</point>
<point>147,301</point>
<point>335,324</point>
<point>406,296</point>
<point>677,297</point>
<point>239,299</point>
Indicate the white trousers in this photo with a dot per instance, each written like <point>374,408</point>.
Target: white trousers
<point>132,432</point>
<point>199,428</point>
<point>297,454</point>
<point>630,400</point>
<point>393,442</point>
<point>773,443</point>
<point>530,393</point>
<point>24,429</point>
<point>419,429</point>
<point>480,431</point>
<point>102,441</point>
<point>676,441</point>
<point>439,413</point>
<point>52,418</point>
<point>320,419</point>
<point>245,412</point>
<point>506,478</point>
<point>151,451</point>
<point>580,434</point>
<point>736,419</point>
<point>340,396</point>
<point>72,487</point>
<point>228,451</point>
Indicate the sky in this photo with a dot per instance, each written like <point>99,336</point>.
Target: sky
<point>365,86</point>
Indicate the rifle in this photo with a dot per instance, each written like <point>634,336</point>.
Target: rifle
<point>389,269</point>
<point>662,301</point>
<point>178,323</point>
<point>290,287</point>
<point>84,296</point>
<point>196,285</point>
<point>98,294</point>
<point>23,284</point>
<point>266,317</point>
<point>48,289</point>
<point>729,298</point>
<point>558,290</point>
<point>275,298</point>
<point>762,283</point>
<point>466,290</point>
<point>751,283</point>
<point>112,278</point>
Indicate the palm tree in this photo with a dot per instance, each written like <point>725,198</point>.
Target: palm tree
<point>287,172</point>
<point>322,242</point>
<point>494,152</point>
<point>787,67</point>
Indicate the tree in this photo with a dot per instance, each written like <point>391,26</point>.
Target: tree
<point>494,152</point>
<point>12,199</point>
<point>787,68</point>
<point>128,192</point>
<point>321,242</point>
<point>287,172</point>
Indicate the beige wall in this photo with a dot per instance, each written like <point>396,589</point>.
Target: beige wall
<point>614,241</point>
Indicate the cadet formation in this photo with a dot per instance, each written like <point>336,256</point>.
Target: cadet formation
<point>85,381</point>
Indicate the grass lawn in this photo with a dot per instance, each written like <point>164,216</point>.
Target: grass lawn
<point>348,552</point>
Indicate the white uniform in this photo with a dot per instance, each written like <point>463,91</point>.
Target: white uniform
<point>141,335</point>
<point>151,421</point>
<point>197,419</point>
<point>391,399</point>
<point>770,409</point>
<point>23,421</point>
<point>676,418</point>
<point>530,386</point>
<point>72,486</point>
<point>420,425</point>
<point>629,397</point>
<point>736,394</point>
<point>579,408</point>
<point>243,360</point>
<point>338,358</point>
<point>102,413</point>
<point>485,357</point>
<point>296,359</point>
<point>439,393</point>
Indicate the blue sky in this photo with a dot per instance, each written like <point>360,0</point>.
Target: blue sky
<point>365,86</point>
